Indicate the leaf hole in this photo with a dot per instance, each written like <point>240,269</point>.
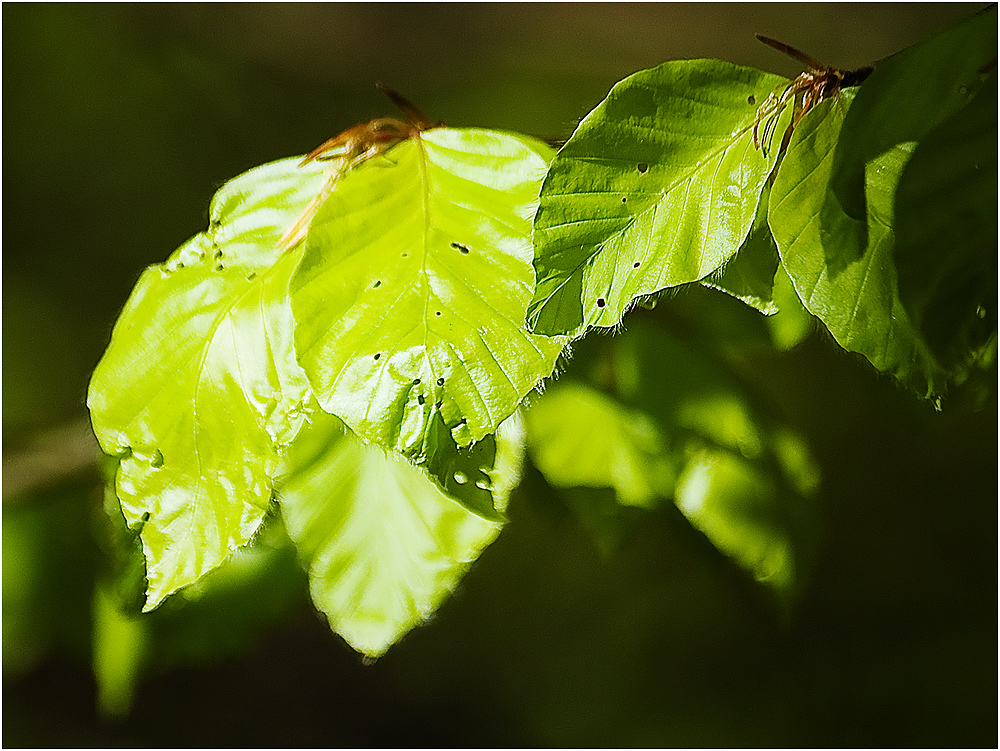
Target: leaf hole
<point>440,381</point>
<point>378,283</point>
<point>460,248</point>
<point>437,312</point>
<point>460,478</point>
<point>600,302</point>
<point>751,99</point>
<point>416,381</point>
<point>635,265</point>
<point>642,167</point>
<point>483,485</point>
<point>624,199</point>
<point>378,355</point>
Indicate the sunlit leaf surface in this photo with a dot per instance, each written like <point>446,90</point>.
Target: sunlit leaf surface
<point>658,186</point>
<point>410,300</point>
<point>199,385</point>
<point>383,545</point>
<point>859,304</point>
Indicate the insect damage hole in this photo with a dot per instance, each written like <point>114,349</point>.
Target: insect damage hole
<point>460,248</point>
<point>461,478</point>
<point>601,302</point>
<point>642,167</point>
<point>635,265</point>
<point>377,355</point>
<point>751,99</point>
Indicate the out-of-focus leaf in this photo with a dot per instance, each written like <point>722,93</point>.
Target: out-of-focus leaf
<point>658,186</point>
<point>906,96</point>
<point>578,437</point>
<point>792,323</point>
<point>946,231</point>
<point>383,545</point>
<point>410,299</point>
<point>120,651</point>
<point>199,386</point>
<point>860,304</point>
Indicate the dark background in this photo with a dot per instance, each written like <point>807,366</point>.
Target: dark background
<point>121,122</point>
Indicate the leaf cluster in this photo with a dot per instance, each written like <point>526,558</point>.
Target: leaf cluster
<point>346,366</point>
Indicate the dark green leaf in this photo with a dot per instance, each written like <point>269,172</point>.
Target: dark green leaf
<point>905,97</point>
<point>946,231</point>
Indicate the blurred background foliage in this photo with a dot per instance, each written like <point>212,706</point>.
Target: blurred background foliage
<point>121,122</point>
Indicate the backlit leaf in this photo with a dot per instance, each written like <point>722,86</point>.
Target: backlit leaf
<point>383,545</point>
<point>410,300</point>
<point>199,386</point>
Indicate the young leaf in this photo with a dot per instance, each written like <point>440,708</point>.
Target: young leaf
<point>749,275</point>
<point>410,299</point>
<point>383,545</point>
<point>905,97</point>
<point>946,231</point>
<point>199,385</point>
<point>860,304</point>
<point>578,437</point>
<point>658,186</point>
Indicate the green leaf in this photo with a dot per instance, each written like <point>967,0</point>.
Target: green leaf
<point>792,323</point>
<point>946,231</point>
<point>860,304</point>
<point>578,437</point>
<point>906,96</point>
<point>411,295</point>
<point>749,275</point>
<point>119,654</point>
<point>746,514</point>
<point>383,545</point>
<point>199,387</point>
<point>658,186</point>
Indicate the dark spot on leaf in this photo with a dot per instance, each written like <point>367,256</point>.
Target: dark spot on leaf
<point>420,399</point>
<point>405,254</point>
<point>437,312</point>
<point>180,264</point>
<point>219,267</point>
<point>635,265</point>
<point>218,254</point>
<point>378,283</point>
<point>251,276</point>
<point>624,199</point>
<point>378,355</point>
<point>600,302</point>
<point>157,459</point>
<point>642,167</point>
<point>145,517</point>
<point>460,248</point>
<point>440,381</point>
<point>751,99</point>
<point>416,381</point>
